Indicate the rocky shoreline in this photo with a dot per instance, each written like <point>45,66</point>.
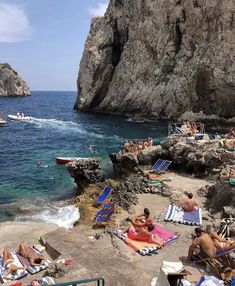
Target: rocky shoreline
<point>132,192</point>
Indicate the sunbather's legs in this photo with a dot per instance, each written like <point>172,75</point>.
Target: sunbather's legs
<point>23,250</point>
<point>6,255</point>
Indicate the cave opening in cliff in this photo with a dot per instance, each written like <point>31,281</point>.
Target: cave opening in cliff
<point>178,36</point>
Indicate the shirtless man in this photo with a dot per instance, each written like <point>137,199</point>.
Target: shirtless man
<point>204,242</point>
<point>8,262</point>
<point>29,254</point>
<point>143,220</point>
<point>189,204</point>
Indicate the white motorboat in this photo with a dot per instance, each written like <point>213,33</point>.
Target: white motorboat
<point>2,122</point>
<point>20,118</point>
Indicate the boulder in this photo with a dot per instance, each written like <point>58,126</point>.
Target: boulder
<point>11,84</point>
<point>87,171</point>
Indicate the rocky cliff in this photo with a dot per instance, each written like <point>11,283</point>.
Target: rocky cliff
<point>10,82</point>
<point>160,58</point>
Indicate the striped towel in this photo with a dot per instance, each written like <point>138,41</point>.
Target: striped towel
<point>177,214</point>
<point>21,273</point>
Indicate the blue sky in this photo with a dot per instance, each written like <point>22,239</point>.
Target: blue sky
<point>43,40</point>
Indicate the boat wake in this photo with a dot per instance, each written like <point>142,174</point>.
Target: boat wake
<point>45,211</point>
<point>66,127</point>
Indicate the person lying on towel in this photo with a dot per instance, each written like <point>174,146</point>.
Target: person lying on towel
<point>219,242</point>
<point>31,255</point>
<point>202,242</point>
<point>141,234</point>
<point>8,263</point>
<point>189,204</point>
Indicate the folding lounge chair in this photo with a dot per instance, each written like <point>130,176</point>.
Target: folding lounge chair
<point>218,263</point>
<point>157,165</point>
<point>103,196</point>
<point>163,167</point>
<point>105,209</point>
<point>105,217</point>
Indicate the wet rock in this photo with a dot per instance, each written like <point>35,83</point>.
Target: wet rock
<point>86,171</point>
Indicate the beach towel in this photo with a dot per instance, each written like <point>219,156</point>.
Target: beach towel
<point>21,273</point>
<point>177,214</point>
<point>33,269</point>
<point>145,248</point>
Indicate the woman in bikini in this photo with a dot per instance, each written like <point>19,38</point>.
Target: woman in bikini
<point>219,242</point>
<point>30,254</point>
<point>8,263</point>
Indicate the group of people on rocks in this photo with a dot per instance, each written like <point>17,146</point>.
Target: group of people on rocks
<point>136,146</point>
<point>189,128</point>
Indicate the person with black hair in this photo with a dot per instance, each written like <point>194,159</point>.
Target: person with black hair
<point>203,243</point>
<point>189,204</point>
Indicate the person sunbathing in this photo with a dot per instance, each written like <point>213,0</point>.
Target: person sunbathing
<point>142,234</point>
<point>231,133</point>
<point>219,242</point>
<point>8,263</point>
<point>229,144</point>
<point>189,204</point>
<point>143,220</point>
<point>202,242</point>
<point>31,255</point>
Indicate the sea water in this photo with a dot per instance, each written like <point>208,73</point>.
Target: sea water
<point>31,192</point>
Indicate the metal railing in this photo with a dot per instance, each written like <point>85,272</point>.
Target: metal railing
<point>99,282</point>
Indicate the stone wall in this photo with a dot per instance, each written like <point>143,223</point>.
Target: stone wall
<point>11,84</point>
<point>160,58</point>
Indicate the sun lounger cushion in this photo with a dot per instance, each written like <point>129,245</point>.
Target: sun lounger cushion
<point>145,248</point>
<point>177,214</point>
<point>21,273</point>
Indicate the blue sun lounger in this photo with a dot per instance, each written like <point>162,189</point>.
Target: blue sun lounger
<point>105,216</point>
<point>157,165</point>
<point>163,167</point>
<point>103,196</point>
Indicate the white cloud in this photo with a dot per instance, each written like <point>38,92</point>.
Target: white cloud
<point>14,25</point>
<point>98,11</point>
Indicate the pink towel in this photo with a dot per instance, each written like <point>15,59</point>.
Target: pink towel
<point>162,232</point>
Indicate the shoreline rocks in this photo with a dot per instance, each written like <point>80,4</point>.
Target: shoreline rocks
<point>86,171</point>
<point>11,84</point>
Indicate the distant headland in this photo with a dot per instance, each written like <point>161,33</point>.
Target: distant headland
<point>11,84</point>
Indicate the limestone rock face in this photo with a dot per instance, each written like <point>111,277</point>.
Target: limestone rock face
<point>160,58</point>
<point>10,82</point>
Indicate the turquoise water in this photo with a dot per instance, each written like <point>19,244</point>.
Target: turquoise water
<point>57,130</point>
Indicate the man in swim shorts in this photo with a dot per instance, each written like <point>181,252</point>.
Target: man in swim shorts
<point>189,204</point>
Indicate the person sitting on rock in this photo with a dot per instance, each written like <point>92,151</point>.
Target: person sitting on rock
<point>202,245</point>
<point>189,204</point>
<point>231,133</point>
<point>184,128</point>
<point>141,234</point>
<point>219,242</point>
<point>8,263</point>
<point>229,144</point>
<point>29,254</point>
<point>126,147</point>
<point>193,128</point>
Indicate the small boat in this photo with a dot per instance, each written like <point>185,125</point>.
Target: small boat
<point>20,118</point>
<point>65,160</point>
<point>2,122</point>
